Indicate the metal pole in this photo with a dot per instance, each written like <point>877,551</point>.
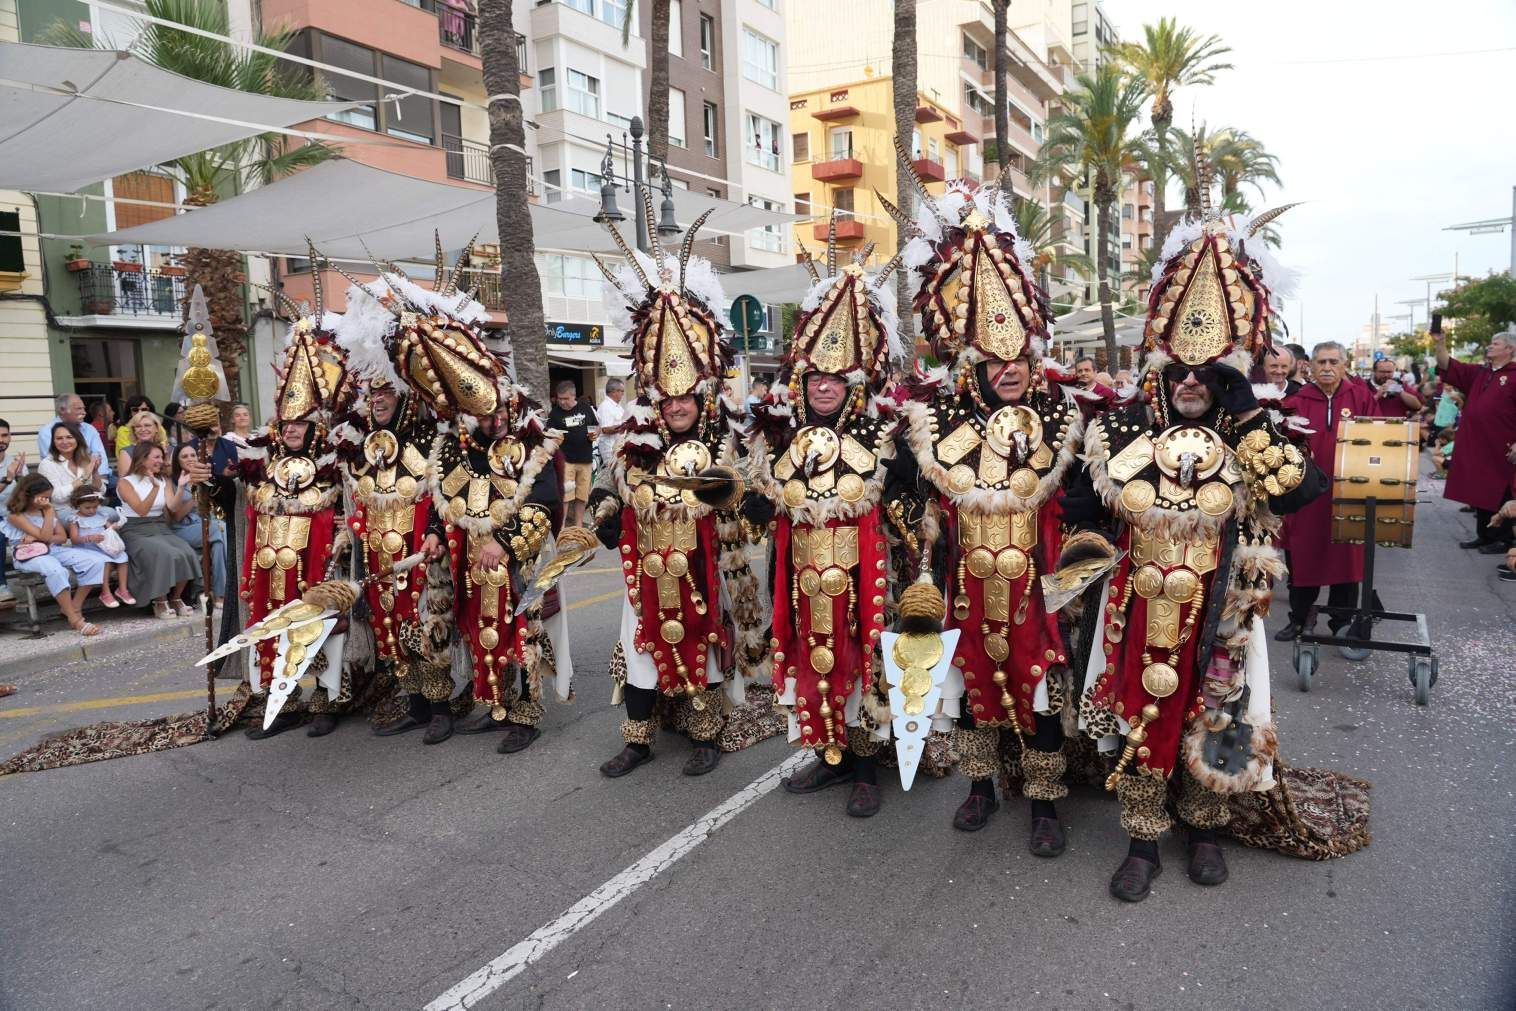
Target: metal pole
<point>208,597</point>
<point>643,224</point>
<point>1513,231</point>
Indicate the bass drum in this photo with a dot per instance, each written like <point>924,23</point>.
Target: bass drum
<point>1376,458</point>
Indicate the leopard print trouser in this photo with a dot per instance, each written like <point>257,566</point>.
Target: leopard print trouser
<point>978,751</point>
<point>1043,771</point>
<point>862,743</point>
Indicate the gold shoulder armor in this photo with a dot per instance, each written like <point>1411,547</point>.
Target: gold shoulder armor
<point>1270,460</point>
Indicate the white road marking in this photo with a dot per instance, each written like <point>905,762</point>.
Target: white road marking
<point>581,914</point>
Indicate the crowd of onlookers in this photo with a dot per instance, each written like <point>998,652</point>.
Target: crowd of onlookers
<point>111,507</point>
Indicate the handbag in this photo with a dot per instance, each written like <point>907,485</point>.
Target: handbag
<point>32,549</point>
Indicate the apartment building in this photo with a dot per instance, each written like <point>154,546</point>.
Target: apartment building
<point>842,139</point>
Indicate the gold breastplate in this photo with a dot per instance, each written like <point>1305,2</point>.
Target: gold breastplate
<point>290,477</point>
<point>482,496</point>
<point>664,548</point>
<point>1167,574</point>
<point>1188,467</point>
<point>820,464</point>
<point>996,548</point>
<point>1009,449</point>
<point>389,467</point>
<point>683,459</point>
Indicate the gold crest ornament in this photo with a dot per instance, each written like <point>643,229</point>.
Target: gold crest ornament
<point>200,382</point>
<point>850,332</point>
<point>678,346</point>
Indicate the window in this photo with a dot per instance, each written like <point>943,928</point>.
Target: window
<point>552,182</point>
<point>1126,242</point>
<point>763,143</point>
<point>409,117</point>
<point>952,164</point>
<point>916,143</point>
<point>341,53</point>
<point>676,27</point>
<point>707,42</point>
<point>800,143</point>
<point>933,149</point>
<point>803,204</point>
<point>841,138</point>
<point>711,124</point>
<point>547,87</point>
<point>1128,211</point>
<point>768,238</point>
<point>676,117</point>
<point>612,12</point>
<point>586,6</point>
<point>975,52</point>
<point>625,122</point>
<point>760,59</point>
<point>842,203</point>
<point>569,276</point>
<point>583,93</point>
<point>585,182</point>
<point>977,101</point>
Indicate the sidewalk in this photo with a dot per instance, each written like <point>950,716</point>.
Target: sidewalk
<point>122,629</point>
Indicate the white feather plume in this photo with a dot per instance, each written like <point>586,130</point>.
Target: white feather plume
<point>362,332</point>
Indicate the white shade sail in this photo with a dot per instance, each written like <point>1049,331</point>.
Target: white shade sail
<point>72,117</point>
<point>344,206</point>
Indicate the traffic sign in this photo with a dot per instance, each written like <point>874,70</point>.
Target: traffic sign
<point>748,317</point>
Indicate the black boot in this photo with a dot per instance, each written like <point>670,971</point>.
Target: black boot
<point>974,813</point>
<point>282,722</point>
<point>440,726</point>
<point>1133,880</point>
<point>1047,839</point>
<point>484,723</point>
<point>703,759</point>
<point>625,760</point>
<point>418,712</point>
<point>1207,864</point>
<point>818,776</point>
<point>323,724</point>
<point>863,802</point>
<point>518,737</point>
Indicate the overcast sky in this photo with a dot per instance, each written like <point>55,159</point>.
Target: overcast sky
<point>1387,143</point>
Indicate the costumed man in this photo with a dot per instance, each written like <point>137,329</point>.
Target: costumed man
<point>995,446</point>
<point>1330,398</point>
<point>691,624</point>
<point>293,485</point>
<point>822,447</point>
<point>386,442</point>
<point>1188,486</point>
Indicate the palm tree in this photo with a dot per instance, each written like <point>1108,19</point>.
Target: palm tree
<point>1002,88</point>
<point>209,175</point>
<point>657,76</point>
<point>1092,134</point>
<point>903,71</point>
<point>1238,159</point>
<point>520,286</point>
<point>1169,57</point>
<point>1050,248</point>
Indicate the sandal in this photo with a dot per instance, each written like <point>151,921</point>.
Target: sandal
<point>126,598</point>
<point>184,608</point>
<point>86,628</point>
<point>108,599</point>
<point>7,690</point>
<point>161,610</point>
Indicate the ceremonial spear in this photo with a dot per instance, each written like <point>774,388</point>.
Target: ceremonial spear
<point>200,384</point>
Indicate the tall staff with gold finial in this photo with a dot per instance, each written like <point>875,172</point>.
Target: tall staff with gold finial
<point>200,385</point>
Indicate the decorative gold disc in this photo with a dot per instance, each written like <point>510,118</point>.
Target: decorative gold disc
<point>914,706</point>
<point>489,638</point>
<point>365,486</point>
<point>497,713</point>
<point>500,511</point>
<point>1180,585</point>
<point>1000,431</point>
<point>1010,563</point>
<point>996,647</point>
<point>677,564</point>
<point>834,581</point>
<point>642,498</point>
<point>915,681</point>
<point>832,754</point>
<point>1024,482</point>
<point>823,660</point>
<point>1214,498</point>
<point>381,448</point>
<point>286,558</point>
<point>652,566</point>
<point>1196,441</point>
<point>1138,496</point>
<point>817,443</point>
<point>850,487</point>
<point>392,542</point>
<point>810,582</point>
<point>264,558</point>
<point>672,631</point>
<point>794,493</point>
<point>960,479</point>
<point>1160,680</point>
<point>406,486</point>
<point>918,651</point>
<point>1148,581</point>
<point>981,563</point>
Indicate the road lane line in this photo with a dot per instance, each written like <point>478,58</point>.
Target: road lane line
<point>512,962</point>
<point>84,705</point>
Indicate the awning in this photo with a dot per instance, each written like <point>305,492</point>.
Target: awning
<point>72,117</point>
<point>344,205</point>
<point>613,360</point>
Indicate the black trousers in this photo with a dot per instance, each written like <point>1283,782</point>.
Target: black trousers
<point>1484,532</point>
<point>1303,598</point>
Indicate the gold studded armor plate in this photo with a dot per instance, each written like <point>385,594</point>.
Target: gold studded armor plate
<point>822,465</point>
<point>1011,450</point>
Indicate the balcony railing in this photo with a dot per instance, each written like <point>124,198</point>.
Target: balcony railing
<point>487,283</point>
<point>105,290</point>
<point>456,27</point>
<point>468,160</point>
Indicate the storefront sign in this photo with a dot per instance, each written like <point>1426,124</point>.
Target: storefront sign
<point>581,334</point>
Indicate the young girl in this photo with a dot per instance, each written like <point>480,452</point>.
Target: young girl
<point>33,527</point>
<point>87,531</point>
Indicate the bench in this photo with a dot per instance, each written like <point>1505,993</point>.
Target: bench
<point>32,597</point>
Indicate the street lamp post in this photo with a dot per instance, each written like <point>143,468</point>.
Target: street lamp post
<point>667,224</point>
<point>1493,225</point>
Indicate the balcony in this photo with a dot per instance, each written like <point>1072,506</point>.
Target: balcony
<point>837,168</point>
<point>847,228</point>
<point>927,114</point>
<point>930,171</point>
<point>836,112</point>
<point>131,290</point>
<point>456,27</point>
<point>487,286</point>
<point>468,161</point>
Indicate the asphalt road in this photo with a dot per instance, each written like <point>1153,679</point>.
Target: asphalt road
<point>359,872</point>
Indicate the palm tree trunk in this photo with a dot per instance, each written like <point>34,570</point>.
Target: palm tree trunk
<point>1105,201</point>
<point>658,85</point>
<point>1163,119</point>
<point>903,63</point>
<point>1002,88</point>
<point>519,283</point>
<point>216,271</point>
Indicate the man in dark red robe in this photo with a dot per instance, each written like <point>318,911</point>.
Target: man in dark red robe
<point>1486,437</point>
<point>1325,402</point>
<point>1394,396</point>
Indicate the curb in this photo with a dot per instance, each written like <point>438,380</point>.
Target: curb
<point>75,651</point>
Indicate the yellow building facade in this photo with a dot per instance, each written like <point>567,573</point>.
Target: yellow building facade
<point>842,138</point>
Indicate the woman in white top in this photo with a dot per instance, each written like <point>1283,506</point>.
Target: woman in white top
<point>163,567</point>
<point>68,465</point>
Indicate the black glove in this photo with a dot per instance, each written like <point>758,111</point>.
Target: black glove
<point>597,496</point>
<point>757,509</point>
<point>609,530</point>
<point>1233,390</point>
<point>720,496</point>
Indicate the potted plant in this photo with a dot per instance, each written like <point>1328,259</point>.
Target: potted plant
<point>173,270</point>
<point>126,267</point>
<point>76,260</point>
